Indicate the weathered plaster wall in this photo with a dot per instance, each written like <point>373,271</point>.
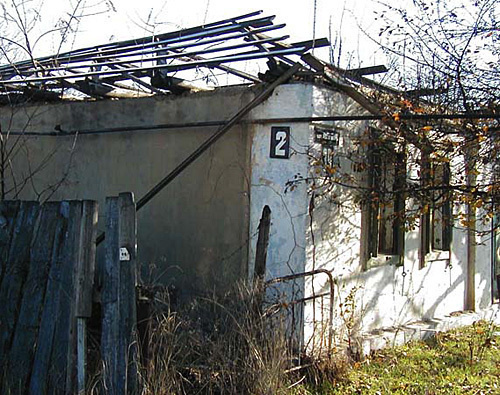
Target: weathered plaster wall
<point>286,251</point>
<point>201,231</point>
<point>194,233</point>
<point>484,264</point>
<point>484,250</point>
<point>334,230</point>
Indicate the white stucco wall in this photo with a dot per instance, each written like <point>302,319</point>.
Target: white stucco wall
<point>385,295</point>
<point>286,251</point>
<point>484,264</point>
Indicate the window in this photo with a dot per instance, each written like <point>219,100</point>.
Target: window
<point>436,218</point>
<point>384,207</point>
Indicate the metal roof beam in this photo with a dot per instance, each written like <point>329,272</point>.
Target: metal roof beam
<point>169,48</point>
<point>173,55</point>
<point>141,40</point>
<point>174,37</point>
<point>203,63</point>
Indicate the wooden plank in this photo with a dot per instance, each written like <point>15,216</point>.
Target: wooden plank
<point>110,299</point>
<point>16,271</point>
<point>84,284</point>
<point>81,340</point>
<point>25,336</point>
<point>127,347</point>
<point>119,341</point>
<point>8,213</point>
<point>86,259</point>
<point>62,374</point>
<point>41,364</point>
<point>426,91</point>
<point>262,244</point>
<point>367,70</point>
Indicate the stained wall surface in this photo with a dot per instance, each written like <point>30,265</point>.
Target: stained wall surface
<point>194,233</point>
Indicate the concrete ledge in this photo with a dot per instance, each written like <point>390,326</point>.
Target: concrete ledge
<point>419,330</point>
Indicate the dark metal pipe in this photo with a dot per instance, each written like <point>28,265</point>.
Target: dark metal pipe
<point>212,140</point>
<point>177,67</point>
<point>157,47</point>
<point>162,57</point>
<point>217,135</point>
<point>180,37</point>
<point>338,118</point>
<point>307,299</point>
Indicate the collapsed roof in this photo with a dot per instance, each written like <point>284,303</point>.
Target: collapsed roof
<point>169,62</point>
<point>188,59</point>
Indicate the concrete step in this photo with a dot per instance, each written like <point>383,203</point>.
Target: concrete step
<point>420,330</point>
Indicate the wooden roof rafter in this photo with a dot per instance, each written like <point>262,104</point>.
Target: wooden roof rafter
<point>98,70</point>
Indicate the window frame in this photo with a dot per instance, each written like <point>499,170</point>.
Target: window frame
<point>374,252</point>
<point>436,207</point>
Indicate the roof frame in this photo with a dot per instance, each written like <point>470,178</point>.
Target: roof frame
<point>218,45</point>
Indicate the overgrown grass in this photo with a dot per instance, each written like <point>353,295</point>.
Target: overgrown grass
<point>462,361</point>
<point>220,345</point>
<point>231,345</point>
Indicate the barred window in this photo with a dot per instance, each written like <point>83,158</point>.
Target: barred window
<point>436,218</point>
<point>385,206</point>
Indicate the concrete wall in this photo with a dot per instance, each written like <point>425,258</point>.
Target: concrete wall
<point>194,233</point>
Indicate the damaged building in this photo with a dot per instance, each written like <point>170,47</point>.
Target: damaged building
<point>210,125</point>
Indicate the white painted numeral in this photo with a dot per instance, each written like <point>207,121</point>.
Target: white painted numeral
<point>281,141</point>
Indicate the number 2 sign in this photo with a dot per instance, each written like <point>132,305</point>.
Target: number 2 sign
<point>280,142</point>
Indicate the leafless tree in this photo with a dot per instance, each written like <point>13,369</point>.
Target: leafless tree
<point>29,29</point>
<point>450,46</point>
<point>445,59</point>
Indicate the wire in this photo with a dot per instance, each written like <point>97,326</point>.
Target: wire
<point>206,12</point>
<point>315,8</point>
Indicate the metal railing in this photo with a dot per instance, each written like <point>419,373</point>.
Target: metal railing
<point>302,301</point>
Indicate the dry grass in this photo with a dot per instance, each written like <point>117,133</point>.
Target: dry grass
<point>218,346</point>
<point>226,345</point>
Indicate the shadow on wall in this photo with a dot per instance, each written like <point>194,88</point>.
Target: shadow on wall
<point>386,295</point>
